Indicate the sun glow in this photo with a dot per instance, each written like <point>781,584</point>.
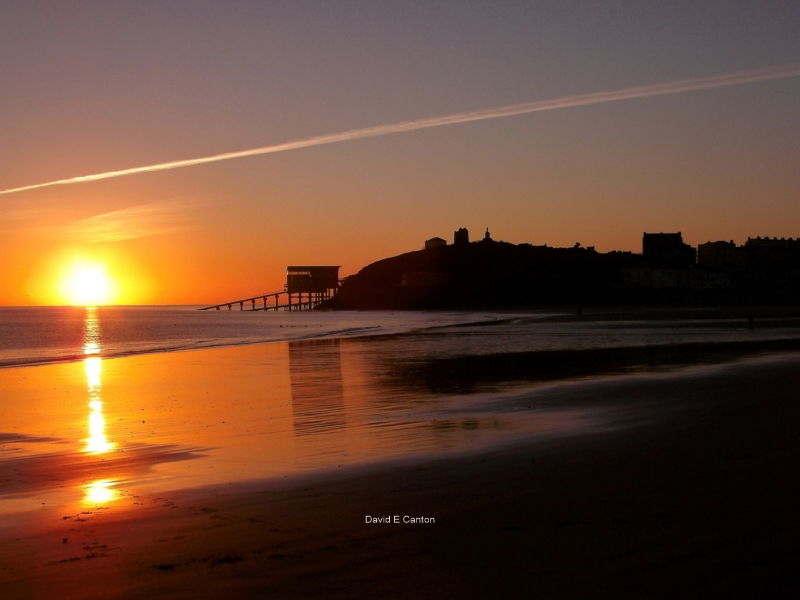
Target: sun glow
<point>97,442</point>
<point>87,284</point>
<point>100,492</point>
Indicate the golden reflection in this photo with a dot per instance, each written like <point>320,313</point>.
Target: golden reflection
<point>100,492</point>
<point>91,332</point>
<point>315,370</point>
<point>93,366</point>
<point>97,442</point>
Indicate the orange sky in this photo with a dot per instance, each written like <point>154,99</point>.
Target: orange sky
<point>86,95</point>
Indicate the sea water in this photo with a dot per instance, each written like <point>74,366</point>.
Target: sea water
<point>38,335</point>
<point>104,405</point>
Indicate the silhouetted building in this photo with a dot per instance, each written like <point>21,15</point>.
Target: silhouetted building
<point>461,236</point>
<point>773,261</point>
<point>773,250</point>
<point>678,279</point>
<point>724,256</point>
<point>435,242</point>
<point>496,274</point>
<point>311,279</point>
<point>487,236</point>
<point>667,250</point>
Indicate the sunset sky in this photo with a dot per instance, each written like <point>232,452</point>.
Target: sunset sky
<point>90,87</point>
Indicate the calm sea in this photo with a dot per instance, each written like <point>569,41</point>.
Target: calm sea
<point>104,405</point>
<point>39,335</point>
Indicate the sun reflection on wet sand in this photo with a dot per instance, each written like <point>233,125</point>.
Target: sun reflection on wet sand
<point>140,425</point>
<point>97,442</point>
<point>100,491</point>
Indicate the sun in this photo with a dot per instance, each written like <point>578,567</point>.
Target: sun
<point>87,284</point>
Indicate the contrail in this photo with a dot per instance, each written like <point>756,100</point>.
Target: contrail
<point>643,91</point>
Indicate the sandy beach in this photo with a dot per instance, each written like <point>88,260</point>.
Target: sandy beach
<point>685,488</point>
<point>415,300</point>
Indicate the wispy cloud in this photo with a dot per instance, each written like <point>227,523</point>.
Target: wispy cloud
<point>32,219</point>
<point>128,223</point>
<point>140,220</point>
<point>644,91</point>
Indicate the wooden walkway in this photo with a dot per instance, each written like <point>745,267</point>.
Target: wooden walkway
<point>275,301</point>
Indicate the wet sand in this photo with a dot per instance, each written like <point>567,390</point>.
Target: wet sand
<point>689,491</point>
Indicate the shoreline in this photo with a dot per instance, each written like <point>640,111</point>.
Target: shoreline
<point>351,333</point>
<point>697,497</point>
<point>735,349</point>
<point>725,317</point>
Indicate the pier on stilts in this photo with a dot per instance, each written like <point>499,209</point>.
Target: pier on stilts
<point>306,288</point>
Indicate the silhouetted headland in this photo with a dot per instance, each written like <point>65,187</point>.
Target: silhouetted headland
<point>495,274</point>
